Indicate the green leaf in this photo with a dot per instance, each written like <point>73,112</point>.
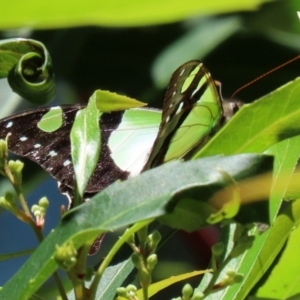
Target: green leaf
<point>256,261</point>
<point>27,65</point>
<point>112,278</point>
<point>107,101</point>
<point>121,204</point>
<point>278,286</point>
<point>193,212</point>
<point>259,125</point>
<point>52,120</point>
<point>85,144</point>
<point>112,13</point>
<point>111,281</point>
<point>293,190</point>
<point>156,287</point>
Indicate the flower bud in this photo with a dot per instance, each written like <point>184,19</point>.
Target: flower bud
<point>44,202</point>
<point>198,296</point>
<point>16,168</point>
<point>136,260</point>
<point>218,249</point>
<point>122,292</point>
<point>66,255</point>
<point>151,261</point>
<point>187,291</point>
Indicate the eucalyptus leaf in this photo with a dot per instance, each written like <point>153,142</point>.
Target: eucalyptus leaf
<point>27,65</point>
<point>261,124</point>
<point>107,101</point>
<point>85,144</point>
<point>124,203</point>
<point>278,286</point>
<point>112,278</point>
<point>193,212</point>
<point>256,261</point>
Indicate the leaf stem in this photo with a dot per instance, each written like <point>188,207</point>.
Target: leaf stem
<point>15,254</point>
<point>122,240</point>
<point>215,276</point>
<point>17,188</point>
<point>60,286</point>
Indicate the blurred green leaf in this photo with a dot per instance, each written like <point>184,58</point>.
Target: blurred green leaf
<point>37,14</point>
<point>191,46</point>
<point>284,33</point>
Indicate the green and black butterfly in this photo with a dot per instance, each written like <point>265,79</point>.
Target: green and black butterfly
<point>132,141</point>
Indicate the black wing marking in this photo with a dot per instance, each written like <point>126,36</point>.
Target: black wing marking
<point>52,150</point>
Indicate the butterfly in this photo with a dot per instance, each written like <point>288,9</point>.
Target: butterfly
<point>132,141</point>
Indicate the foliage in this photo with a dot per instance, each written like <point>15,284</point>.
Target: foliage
<point>269,124</point>
<point>138,13</point>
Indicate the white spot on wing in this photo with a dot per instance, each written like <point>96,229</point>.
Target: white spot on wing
<point>195,91</point>
<point>52,153</point>
<point>66,162</point>
<point>37,145</point>
<point>9,124</point>
<point>182,71</point>
<point>179,108</point>
<point>23,138</point>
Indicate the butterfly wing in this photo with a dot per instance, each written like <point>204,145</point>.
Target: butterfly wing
<point>192,109</point>
<point>52,150</point>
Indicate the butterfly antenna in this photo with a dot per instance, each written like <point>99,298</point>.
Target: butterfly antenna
<point>265,74</point>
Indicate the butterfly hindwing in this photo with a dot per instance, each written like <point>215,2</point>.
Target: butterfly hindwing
<point>192,109</point>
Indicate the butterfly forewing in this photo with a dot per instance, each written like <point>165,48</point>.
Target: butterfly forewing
<point>192,108</point>
<point>52,151</point>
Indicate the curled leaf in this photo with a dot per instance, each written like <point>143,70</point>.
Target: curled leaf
<point>27,65</point>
